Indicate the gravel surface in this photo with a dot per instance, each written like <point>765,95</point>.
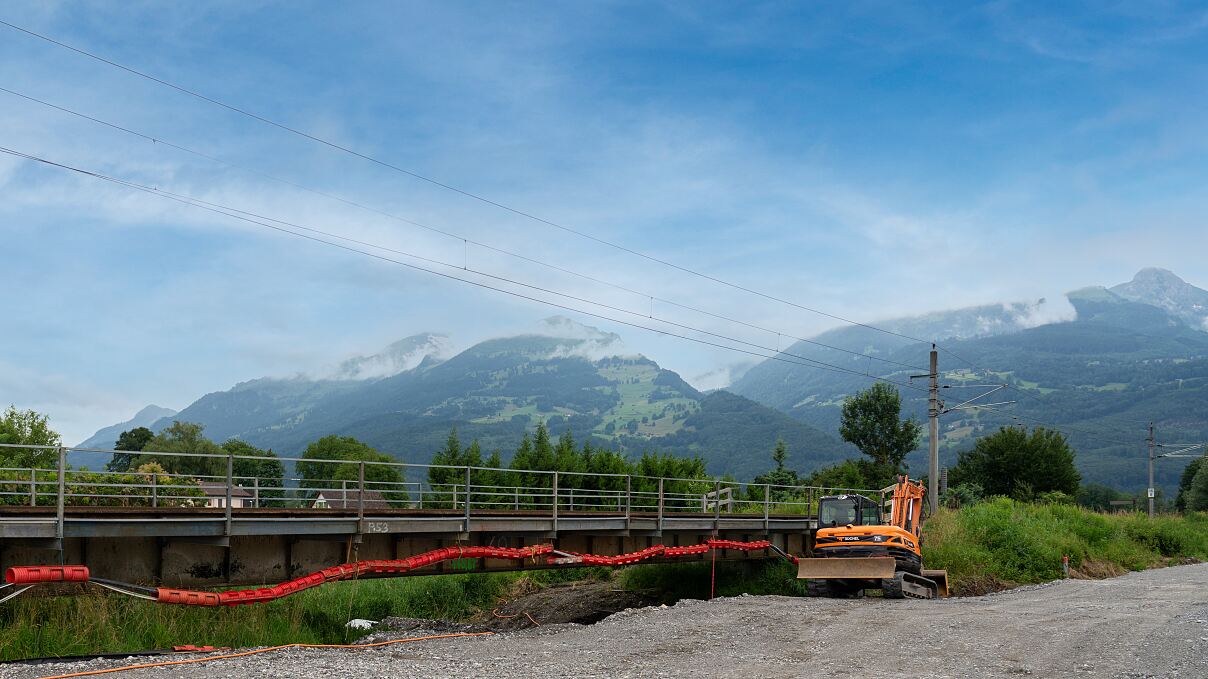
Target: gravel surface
<point>1150,624</point>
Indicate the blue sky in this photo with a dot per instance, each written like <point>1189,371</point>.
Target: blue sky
<point>873,159</point>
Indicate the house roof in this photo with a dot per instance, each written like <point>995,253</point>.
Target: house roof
<point>217,489</point>
<point>339,499</point>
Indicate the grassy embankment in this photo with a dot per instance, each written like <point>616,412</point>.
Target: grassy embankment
<point>989,546</point>
<point>1001,543</point>
<point>104,623</point>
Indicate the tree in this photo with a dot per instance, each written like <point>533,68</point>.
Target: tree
<point>780,476</point>
<point>848,474</point>
<point>1013,463</point>
<point>28,428</point>
<point>184,437</point>
<point>872,422</point>
<point>780,454</point>
<point>345,454</point>
<point>267,473</point>
<point>1197,493</point>
<point>1189,472</point>
<point>444,481</point>
<point>132,440</point>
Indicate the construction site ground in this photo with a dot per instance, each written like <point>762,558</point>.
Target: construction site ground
<point>1148,624</point>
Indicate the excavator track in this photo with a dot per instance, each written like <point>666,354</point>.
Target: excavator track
<point>905,585</point>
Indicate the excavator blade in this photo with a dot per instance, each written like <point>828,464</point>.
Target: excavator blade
<point>940,578</point>
<point>843,568</point>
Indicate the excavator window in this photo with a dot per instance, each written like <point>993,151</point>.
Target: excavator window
<point>841,510</point>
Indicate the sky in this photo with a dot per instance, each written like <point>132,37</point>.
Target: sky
<point>869,159</point>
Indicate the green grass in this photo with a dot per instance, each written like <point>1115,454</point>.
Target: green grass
<point>101,623</point>
<point>1001,542</point>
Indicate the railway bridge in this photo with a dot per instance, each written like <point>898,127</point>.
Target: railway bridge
<point>207,529</point>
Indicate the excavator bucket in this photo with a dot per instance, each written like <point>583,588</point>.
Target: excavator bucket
<point>940,578</point>
<point>844,568</point>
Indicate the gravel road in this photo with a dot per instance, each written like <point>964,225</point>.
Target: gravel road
<point>1150,624</point>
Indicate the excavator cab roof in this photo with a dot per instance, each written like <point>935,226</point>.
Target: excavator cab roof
<point>841,510</point>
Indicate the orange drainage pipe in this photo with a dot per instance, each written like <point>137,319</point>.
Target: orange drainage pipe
<point>244,654</point>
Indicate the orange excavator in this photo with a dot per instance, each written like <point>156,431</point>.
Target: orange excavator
<point>855,549</point>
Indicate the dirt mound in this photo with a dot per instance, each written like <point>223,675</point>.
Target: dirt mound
<point>582,603</point>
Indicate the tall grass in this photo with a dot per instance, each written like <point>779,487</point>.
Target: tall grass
<point>100,623</point>
<point>1003,542</point>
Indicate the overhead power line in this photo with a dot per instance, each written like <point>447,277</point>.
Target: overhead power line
<point>1061,427</point>
<point>508,208</point>
<point>256,219</point>
<point>455,236</point>
<point>452,188</point>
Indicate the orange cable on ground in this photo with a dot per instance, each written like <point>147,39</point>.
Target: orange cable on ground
<point>262,650</point>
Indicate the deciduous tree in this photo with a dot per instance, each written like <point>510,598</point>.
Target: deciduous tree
<point>1013,463</point>
<point>872,421</point>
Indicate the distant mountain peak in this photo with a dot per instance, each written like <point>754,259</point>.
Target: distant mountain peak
<point>107,436</point>
<point>400,356</point>
<point>1157,275</point>
<point>566,328</point>
<point>1163,289</point>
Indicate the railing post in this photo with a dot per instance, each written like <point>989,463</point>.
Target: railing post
<point>154,489</point>
<point>256,492</point>
<point>230,488</point>
<point>716,505</point>
<point>360,491</point>
<point>555,508</point>
<point>344,493</point>
<point>516,495</point>
<point>33,488</point>
<point>60,499</point>
<point>628,498</point>
<point>467,530</point>
<point>767,507</point>
<point>660,504</point>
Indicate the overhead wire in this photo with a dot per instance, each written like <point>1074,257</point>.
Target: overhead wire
<point>452,188</point>
<point>497,204</point>
<point>1058,427</point>
<point>245,216</point>
<point>466,240</point>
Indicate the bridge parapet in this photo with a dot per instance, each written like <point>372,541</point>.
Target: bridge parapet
<point>205,519</point>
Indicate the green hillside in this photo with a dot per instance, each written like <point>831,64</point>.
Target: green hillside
<point>1103,376</point>
<point>497,390</point>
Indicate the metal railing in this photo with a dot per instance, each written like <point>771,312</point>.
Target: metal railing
<point>366,486</point>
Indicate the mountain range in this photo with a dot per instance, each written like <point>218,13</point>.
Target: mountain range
<point>1099,363</point>
<point>569,377</point>
<point>1117,359</point>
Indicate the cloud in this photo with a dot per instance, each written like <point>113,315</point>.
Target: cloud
<point>722,377</point>
<point>1043,311</point>
<point>400,356</point>
<point>585,341</point>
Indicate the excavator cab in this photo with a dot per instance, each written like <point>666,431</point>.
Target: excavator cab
<point>843,510</point>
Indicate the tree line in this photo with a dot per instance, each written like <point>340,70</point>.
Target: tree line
<point>1031,466</point>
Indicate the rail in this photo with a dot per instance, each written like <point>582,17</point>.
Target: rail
<point>227,481</point>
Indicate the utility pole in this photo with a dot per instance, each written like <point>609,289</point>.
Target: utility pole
<point>933,420</point>
<point>1149,491</point>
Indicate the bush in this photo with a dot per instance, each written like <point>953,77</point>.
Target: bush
<point>963,495</point>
